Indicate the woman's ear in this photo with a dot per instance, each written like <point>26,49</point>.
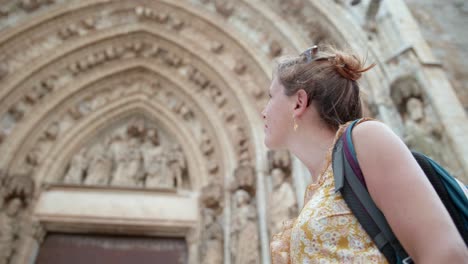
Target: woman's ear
<point>300,104</point>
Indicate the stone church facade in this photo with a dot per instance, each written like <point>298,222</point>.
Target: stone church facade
<point>142,118</point>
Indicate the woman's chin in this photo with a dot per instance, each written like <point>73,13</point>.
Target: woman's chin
<point>269,144</point>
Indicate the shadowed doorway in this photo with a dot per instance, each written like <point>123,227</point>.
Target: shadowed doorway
<point>61,248</point>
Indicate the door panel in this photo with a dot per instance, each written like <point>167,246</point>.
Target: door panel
<point>73,249</point>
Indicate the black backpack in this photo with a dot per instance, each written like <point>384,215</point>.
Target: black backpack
<point>350,183</point>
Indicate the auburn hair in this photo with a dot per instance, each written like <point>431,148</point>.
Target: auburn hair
<point>329,77</point>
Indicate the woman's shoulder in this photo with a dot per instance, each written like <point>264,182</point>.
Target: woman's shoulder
<point>373,133</point>
<point>376,145</point>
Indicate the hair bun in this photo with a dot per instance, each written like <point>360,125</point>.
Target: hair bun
<point>349,66</point>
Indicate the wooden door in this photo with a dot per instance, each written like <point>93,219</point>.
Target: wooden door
<point>73,249</point>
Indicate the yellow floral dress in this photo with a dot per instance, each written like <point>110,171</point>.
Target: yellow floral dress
<point>326,231</point>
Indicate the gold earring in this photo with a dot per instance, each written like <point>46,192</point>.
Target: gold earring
<point>295,124</point>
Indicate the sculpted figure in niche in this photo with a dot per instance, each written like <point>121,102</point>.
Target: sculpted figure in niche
<point>77,168</point>
<point>177,165</point>
<point>211,246</point>
<point>9,229</point>
<point>282,202</point>
<point>244,233</point>
<point>245,179</point>
<point>211,250</point>
<point>100,165</point>
<point>154,161</point>
<point>127,158</point>
<point>279,159</point>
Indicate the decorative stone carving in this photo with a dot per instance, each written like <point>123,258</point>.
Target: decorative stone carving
<point>172,59</point>
<point>77,168</point>
<point>127,157</point>
<point>217,47</point>
<point>224,8</point>
<point>275,49</point>
<point>31,5</point>
<point>212,242</point>
<point>206,145</point>
<point>17,111</point>
<point>52,132</point>
<point>421,133</point>
<point>213,166</point>
<point>240,67</point>
<point>18,185</point>
<point>9,229</point>
<point>282,203</point>
<point>244,233</point>
<point>245,178</point>
<point>371,13</point>
<point>33,157</point>
<point>279,159</point>
<point>79,28</point>
<point>155,162</point>
<point>176,164</point>
<point>177,24</point>
<point>197,77</point>
<point>211,195</point>
<point>148,13</point>
<point>211,249</point>
<point>292,7</point>
<point>99,165</point>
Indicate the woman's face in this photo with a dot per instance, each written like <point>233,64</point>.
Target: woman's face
<point>278,116</point>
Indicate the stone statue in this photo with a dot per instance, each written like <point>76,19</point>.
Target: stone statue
<point>418,131</point>
<point>244,234</point>
<point>211,249</point>
<point>281,203</point>
<point>279,159</point>
<point>128,162</point>
<point>245,178</point>
<point>77,168</point>
<point>154,161</point>
<point>176,164</point>
<point>100,165</point>
<point>9,229</point>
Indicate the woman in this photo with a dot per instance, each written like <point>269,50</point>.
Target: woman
<point>312,98</point>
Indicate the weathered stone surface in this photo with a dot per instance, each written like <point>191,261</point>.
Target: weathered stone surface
<point>135,101</point>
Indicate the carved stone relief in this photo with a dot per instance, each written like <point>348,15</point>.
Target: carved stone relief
<point>16,192</point>
<point>136,154</point>
<point>244,243</point>
<point>304,19</point>
<point>421,131</point>
<point>212,235</point>
<point>282,204</point>
<point>128,50</point>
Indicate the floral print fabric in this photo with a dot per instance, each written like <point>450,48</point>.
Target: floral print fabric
<point>326,231</point>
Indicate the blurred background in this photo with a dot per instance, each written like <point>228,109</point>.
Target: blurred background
<point>130,130</point>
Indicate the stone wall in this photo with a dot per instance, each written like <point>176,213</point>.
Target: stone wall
<point>164,97</point>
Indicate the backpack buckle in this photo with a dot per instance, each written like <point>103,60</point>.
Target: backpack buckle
<point>407,260</point>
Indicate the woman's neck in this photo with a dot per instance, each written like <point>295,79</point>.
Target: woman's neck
<point>311,144</point>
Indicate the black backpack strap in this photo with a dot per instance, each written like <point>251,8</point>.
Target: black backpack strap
<point>364,209</point>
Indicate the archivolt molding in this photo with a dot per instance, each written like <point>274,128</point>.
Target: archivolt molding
<point>37,127</point>
<point>61,152</point>
<point>196,72</point>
